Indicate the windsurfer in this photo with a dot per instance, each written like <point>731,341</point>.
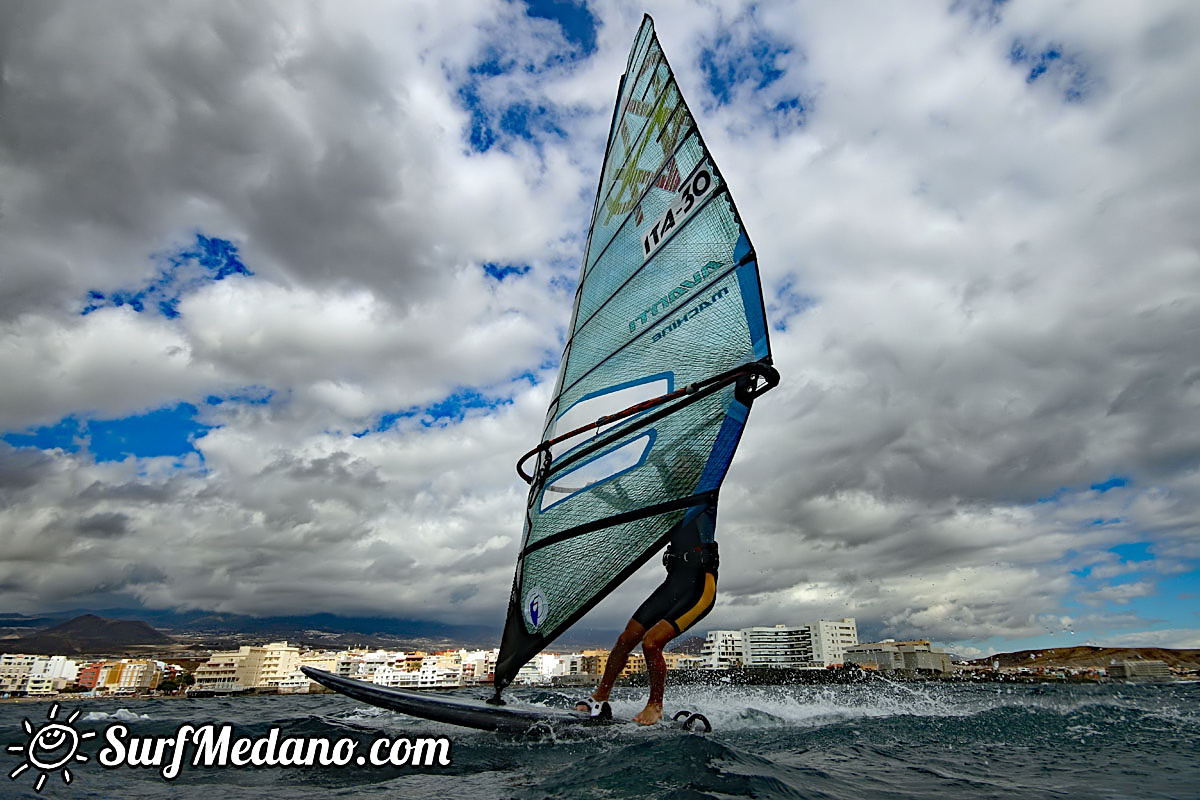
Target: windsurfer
<point>682,600</point>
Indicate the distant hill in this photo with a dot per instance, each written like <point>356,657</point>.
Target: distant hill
<point>321,628</point>
<point>1092,656</point>
<point>690,645</point>
<point>85,634</point>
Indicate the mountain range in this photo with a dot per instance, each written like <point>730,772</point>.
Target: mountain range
<point>322,628</point>
<point>85,634</point>
<point>1083,656</point>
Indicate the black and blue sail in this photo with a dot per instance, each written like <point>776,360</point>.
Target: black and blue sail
<point>668,347</point>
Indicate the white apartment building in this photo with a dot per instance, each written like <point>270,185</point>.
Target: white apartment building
<point>59,669</point>
<point>529,674</point>
<point>778,647</point>
<point>566,664</point>
<point>722,650</point>
<point>39,685</point>
<point>273,664</point>
<point>682,661</point>
<point>479,666</point>
<point>137,675</point>
<point>29,674</point>
<point>14,671</point>
<point>546,664</point>
<point>323,660</point>
<point>267,666</point>
<point>830,638</point>
<point>397,677</point>
<point>222,672</point>
<point>441,670</point>
<point>367,665</point>
<point>815,646</point>
<point>437,671</point>
<point>347,663</point>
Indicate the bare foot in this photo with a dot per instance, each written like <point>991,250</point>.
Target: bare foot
<point>649,715</point>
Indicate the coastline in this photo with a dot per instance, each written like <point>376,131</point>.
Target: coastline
<point>742,677</point>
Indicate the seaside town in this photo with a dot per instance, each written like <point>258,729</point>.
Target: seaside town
<point>275,667</point>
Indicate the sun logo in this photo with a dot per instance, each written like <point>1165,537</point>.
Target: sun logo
<point>51,747</point>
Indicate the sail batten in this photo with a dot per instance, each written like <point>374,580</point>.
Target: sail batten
<point>667,349</point>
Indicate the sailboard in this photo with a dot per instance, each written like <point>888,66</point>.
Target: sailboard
<point>667,351</point>
<point>510,718</point>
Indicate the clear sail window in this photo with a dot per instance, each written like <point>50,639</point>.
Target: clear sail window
<point>610,401</point>
<point>598,470</point>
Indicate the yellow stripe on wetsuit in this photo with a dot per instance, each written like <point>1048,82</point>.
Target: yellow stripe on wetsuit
<point>702,605</point>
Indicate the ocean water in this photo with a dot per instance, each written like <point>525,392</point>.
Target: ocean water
<point>878,739</point>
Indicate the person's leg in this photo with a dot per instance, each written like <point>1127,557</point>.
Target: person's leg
<point>653,643</point>
<point>617,659</point>
<point>687,612</point>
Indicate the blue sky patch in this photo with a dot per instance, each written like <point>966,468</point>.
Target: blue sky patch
<point>165,432</point>
<point>181,272</point>
<point>1133,551</point>
<point>388,421</point>
<point>790,112</point>
<point>456,407</point>
<point>1052,63</point>
<point>488,127</point>
<point>499,272</point>
<point>789,302</point>
<point>480,135</point>
<point>168,431</point>
<point>525,121</point>
<point>494,123</point>
<point>491,67</point>
<point>452,409</point>
<point>565,284</point>
<point>791,105</point>
<point>528,375</point>
<point>67,434</point>
<point>1054,496</point>
<point>577,23</point>
<point>1115,482</point>
<point>726,66</point>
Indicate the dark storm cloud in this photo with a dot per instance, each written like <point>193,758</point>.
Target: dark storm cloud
<point>103,525</point>
<point>21,468</point>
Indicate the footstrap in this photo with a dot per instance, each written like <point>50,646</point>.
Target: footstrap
<point>597,709</point>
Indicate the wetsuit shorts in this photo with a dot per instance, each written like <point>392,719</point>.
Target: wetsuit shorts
<point>687,594</point>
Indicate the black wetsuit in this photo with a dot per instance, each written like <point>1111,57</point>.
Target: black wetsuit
<point>690,588</point>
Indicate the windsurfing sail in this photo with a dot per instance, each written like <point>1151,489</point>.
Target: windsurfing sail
<point>668,347</point>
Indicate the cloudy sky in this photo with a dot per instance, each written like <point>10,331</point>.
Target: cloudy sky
<point>285,288</point>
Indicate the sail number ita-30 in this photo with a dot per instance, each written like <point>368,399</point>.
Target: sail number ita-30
<point>696,189</point>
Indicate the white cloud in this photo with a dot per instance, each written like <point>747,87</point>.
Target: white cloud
<point>1120,593</point>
